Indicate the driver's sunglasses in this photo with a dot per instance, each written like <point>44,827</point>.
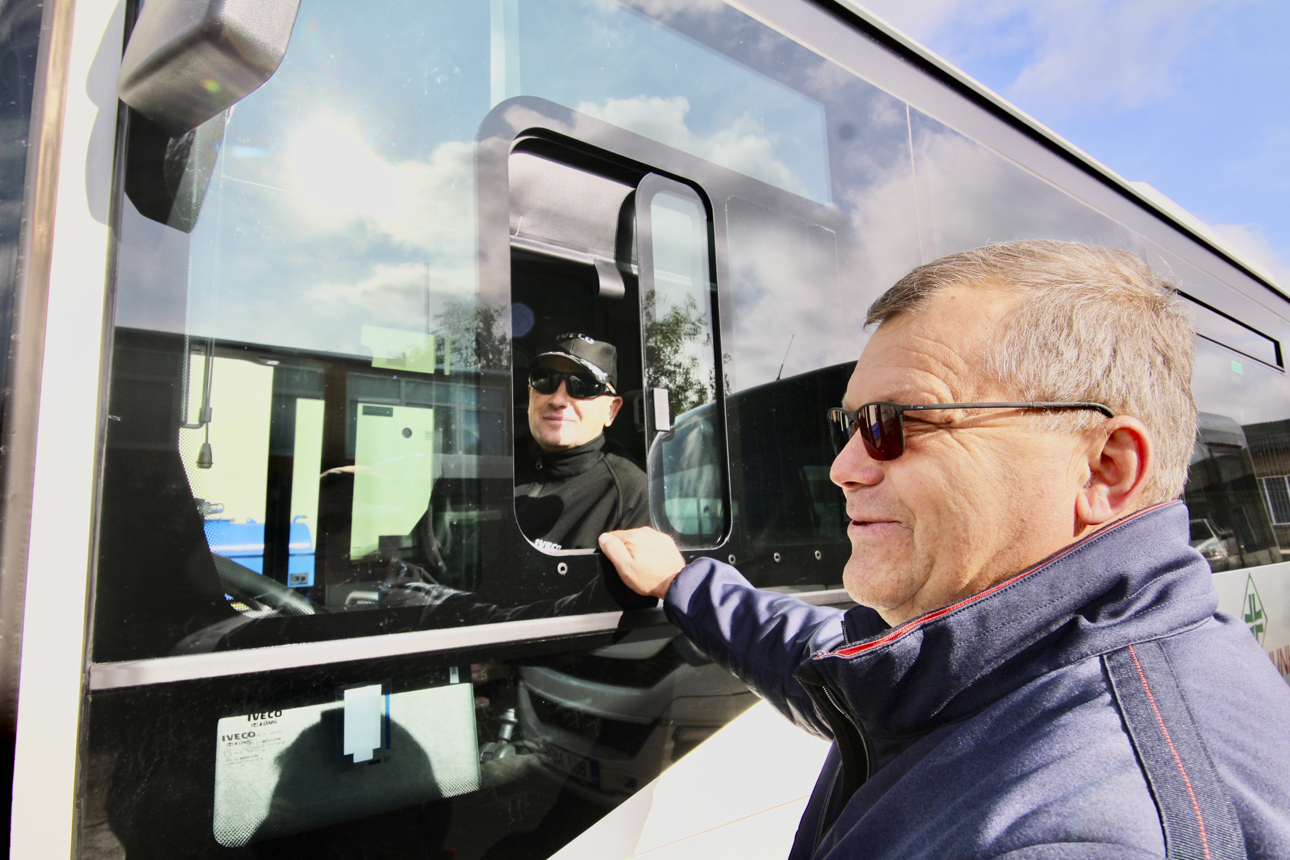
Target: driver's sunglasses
<point>581,386</point>
<point>881,425</point>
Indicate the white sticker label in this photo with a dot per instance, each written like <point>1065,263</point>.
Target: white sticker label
<point>364,721</point>
<point>286,771</point>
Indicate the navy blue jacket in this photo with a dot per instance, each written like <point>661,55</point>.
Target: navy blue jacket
<point>989,728</point>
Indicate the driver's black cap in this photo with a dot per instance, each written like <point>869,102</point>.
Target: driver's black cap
<point>595,355</point>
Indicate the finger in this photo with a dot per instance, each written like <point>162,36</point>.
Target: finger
<point>617,553</point>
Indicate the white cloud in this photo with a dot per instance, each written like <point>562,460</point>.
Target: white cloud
<point>788,282</point>
<point>1072,54</point>
<point>665,10</point>
<point>742,146</point>
<point>1121,55</point>
<point>1251,243</point>
<point>332,236</point>
<point>337,180</point>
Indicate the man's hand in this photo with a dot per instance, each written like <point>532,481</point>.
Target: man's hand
<point>647,560</point>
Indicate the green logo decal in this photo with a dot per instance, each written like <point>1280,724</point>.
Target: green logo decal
<point>1255,616</point>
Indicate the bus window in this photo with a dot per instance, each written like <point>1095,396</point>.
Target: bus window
<point>687,469</point>
<point>790,512</point>
<point>572,279</point>
<point>793,516</point>
<point>1237,459</point>
<point>1230,524</point>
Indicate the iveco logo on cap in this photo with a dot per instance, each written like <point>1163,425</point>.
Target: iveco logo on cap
<point>573,334</point>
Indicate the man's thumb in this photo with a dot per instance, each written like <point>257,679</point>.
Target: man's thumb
<point>616,551</point>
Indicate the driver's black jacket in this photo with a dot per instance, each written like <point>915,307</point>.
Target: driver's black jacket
<point>563,501</point>
<point>567,499</point>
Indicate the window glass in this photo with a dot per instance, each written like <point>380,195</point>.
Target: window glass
<point>314,403</point>
<point>575,309</point>
<point>769,249</point>
<point>486,754</point>
<point>1214,326</point>
<point>1236,487</point>
<point>969,195</point>
<point>1276,492</point>
<point>637,75</point>
<point>787,505</point>
<point>317,388</point>
<point>689,502</point>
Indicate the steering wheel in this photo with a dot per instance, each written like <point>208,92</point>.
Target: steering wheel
<point>256,589</point>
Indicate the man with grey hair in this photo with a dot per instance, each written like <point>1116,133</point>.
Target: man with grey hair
<point>1035,667</point>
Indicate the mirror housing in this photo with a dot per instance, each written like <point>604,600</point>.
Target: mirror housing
<point>190,60</point>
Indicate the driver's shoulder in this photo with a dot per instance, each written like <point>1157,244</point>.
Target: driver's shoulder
<point>616,458</point>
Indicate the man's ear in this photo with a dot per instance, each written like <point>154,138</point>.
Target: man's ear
<point>614,406</point>
<point>1121,456</point>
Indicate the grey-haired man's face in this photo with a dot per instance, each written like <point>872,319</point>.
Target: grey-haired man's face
<point>559,422</point>
<point>977,496</point>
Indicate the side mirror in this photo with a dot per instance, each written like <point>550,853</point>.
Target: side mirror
<point>190,60</point>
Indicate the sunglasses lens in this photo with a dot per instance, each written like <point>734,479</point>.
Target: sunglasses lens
<point>584,387</point>
<point>880,427</point>
<point>841,429</point>
<point>544,380</point>
<point>581,386</point>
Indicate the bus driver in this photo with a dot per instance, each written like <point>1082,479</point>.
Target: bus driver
<point>568,487</point>
<point>1036,667</point>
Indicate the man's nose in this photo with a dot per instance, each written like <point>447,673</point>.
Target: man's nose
<point>561,395</point>
<point>854,467</point>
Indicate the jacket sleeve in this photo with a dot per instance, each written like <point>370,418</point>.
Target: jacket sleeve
<point>760,636</point>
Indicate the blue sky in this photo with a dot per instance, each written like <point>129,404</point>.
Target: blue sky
<point>1189,96</point>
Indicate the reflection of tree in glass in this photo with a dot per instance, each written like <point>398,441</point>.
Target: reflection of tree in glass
<point>670,342</point>
<point>477,332</point>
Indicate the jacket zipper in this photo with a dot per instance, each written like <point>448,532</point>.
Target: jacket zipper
<point>846,731</point>
<point>864,744</point>
<point>824,812</point>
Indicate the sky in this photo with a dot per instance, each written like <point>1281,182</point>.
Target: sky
<point>1189,96</point>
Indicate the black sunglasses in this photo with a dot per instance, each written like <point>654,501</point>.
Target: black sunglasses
<point>581,386</point>
<point>882,425</point>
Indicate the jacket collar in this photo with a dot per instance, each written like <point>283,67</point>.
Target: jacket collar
<point>1134,580</point>
<point>555,465</point>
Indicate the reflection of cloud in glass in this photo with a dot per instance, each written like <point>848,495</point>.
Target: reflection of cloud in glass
<point>793,279</point>
<point>337,179</point>
<point>575,52</point>
<point>741,146</point>
<point>785,283</point>
<point>344,238</point>
<point>971,196</point>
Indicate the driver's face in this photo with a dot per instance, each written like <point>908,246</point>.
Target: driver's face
<point>559,422</point>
